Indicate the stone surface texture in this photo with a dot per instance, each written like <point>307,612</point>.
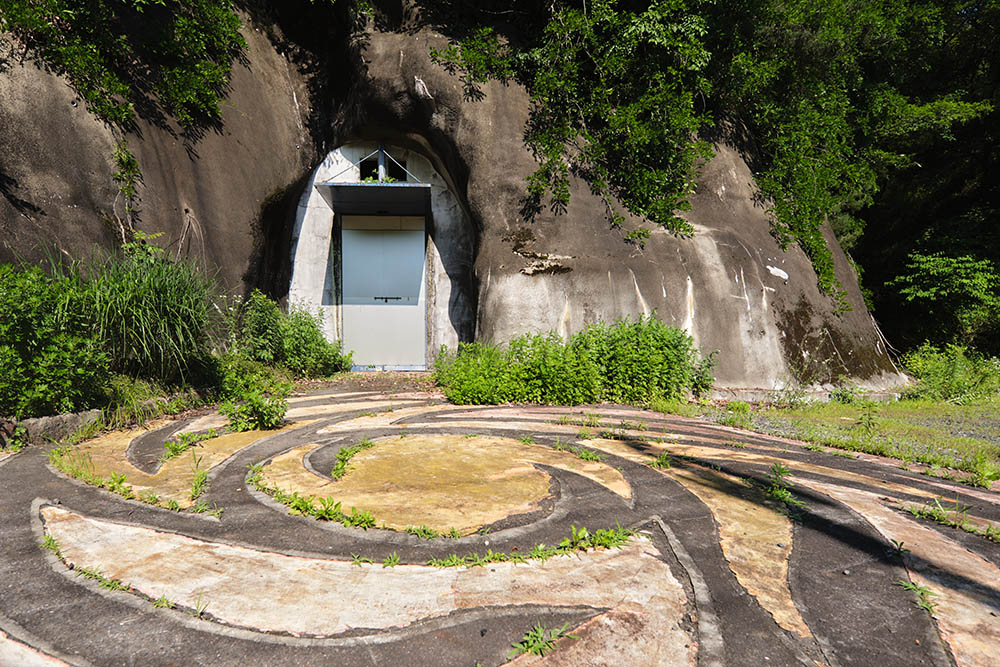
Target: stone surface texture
<point>235,198</point>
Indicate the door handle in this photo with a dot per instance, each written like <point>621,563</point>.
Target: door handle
<point>388,298</point>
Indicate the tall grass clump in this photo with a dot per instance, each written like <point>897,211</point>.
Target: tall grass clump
<point>152,314</point>
<point>953,373</point>
<point>628,361</point>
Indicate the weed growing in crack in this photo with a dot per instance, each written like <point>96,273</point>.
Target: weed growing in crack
<point>358,559</point>
<point>813,448</point>
<point>453,534</point>
<point>200,507</point>
<point>955,517</point>
<point>924,594</point>
<point>587,454</point>
<point>560,446</point>
<point>662,461</point>
<point>844,454</point>
<point>580,539</point>
<point>584,434</point>
<point>183,442</point>
<point>527,440</point>
<point>50,543</point>
<point>102,581</point>
<point>199,607</point>
<point>778,488</point>
<point>199,477</point>
<point>539,641</point>
<point>163,603</point>
<point>423,532</point>
<point>392,560</point>
<point>345,454</point>
<point>173,505</point>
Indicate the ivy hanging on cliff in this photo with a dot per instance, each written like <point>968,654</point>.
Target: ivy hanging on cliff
<point>617,97</point>
<point>155,58</point>
<point>827,96</point>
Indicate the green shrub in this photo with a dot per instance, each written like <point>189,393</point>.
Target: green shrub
<point>305,351</point>
<point>642,360</point>
<point>257,410</point>
<point>259,336</point>
<point>295,340</point>
<point>51,359</point>
<point>954,373</point>
<point>630,361</point>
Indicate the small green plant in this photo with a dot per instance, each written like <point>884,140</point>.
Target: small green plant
<point>559,445</point>
<point>453,534</point>
<point>539,641</point>
<point>163,603</point>
<point>423,532</point>
<point>199,477</point>
<point>173,505</point>
<point>813,448</point>
<point>662,461</point>
<point>392,560</point>
<point>588,454</point>
<point>527,440</point>
<point>345,455</point>
<point>924,594</point>
<point>898,549</point>
<point>778,488</point>
<point>17,440</point>
<point>183,442</point>
<point>50,543</point>
<point>592,419</point>
<point>867,422</point>
<point>199,607</point>
<point>584,434</point>
<point>200,507</point>
<point>359,560</point>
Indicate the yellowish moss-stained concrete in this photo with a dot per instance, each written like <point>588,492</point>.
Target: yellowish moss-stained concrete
<point>644,602</point>
<point>756,540</point>
<point>105,455</point>
<point>964,585</point>
<point>441,481</point>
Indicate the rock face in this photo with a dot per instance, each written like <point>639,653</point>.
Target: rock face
<point>230,200</point>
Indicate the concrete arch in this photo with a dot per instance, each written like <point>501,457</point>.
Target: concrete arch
<point>450,251</point>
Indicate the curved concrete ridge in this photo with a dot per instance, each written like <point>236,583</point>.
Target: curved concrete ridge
<point>755,538</point>
<point>743,584</point>
<point>449,482</point>
<point>965,588</point>
<point>106,455</point>
<point>319,597</point>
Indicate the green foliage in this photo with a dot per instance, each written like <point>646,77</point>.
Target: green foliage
<point>954,373</point>
<point>51,357</point>
<point>539,641</point>
<point>152,314</point>
<point>738,415</point>
<point>306,352</point>
<point>257,409</point>
<point>134,57</point>
<point>183,442</point>
<point>630,361</point>
<point>261,332</point>
<point>958,298</point>
<point>617,94</point>
<point>345,455</point>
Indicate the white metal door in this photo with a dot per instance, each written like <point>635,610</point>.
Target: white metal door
<point>384,316</point>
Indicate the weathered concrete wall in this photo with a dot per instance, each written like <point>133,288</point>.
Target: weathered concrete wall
<point>205,195</point>
<point>731,286</point>
<point>229,198</point>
